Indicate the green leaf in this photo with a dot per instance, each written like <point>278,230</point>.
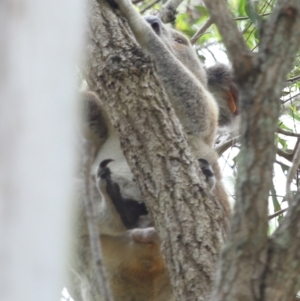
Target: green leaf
<point>274,198</point>
<point>202,9</point>
<point>282,142</point>
<point>294,113</point>
<point>252,14</point>
<point>241,8</point>
<point>284,127</point>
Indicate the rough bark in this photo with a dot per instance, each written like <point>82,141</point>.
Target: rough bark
<point>243,272</point>
<point>281,279</point>
<point>189,221</point>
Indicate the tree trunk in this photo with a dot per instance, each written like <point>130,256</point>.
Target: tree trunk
<point>246,268</point>
<point>157,152</point>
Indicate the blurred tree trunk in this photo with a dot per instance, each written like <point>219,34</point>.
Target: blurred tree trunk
<point>37,156</point>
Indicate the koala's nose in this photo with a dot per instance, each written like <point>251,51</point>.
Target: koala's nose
<point>155,23</point>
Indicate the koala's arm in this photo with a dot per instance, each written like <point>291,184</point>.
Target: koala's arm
<point>191,100</point>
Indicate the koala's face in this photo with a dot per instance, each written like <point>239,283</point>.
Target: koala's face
<point>179,45</point>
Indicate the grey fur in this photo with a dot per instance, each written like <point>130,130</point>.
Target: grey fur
<point>221,84</point>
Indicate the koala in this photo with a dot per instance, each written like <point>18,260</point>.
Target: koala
<point>224,89</point>
<point>184,79</point>
<point>130,245</point>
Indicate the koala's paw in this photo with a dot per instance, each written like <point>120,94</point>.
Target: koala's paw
<point>145,236</point>
<point>208,173</point>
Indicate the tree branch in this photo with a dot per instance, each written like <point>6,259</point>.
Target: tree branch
<point>277,54</point>
<point>275,214</point>
<point>248,238</point>
<point>293,79</point>
<point>92,223</point>
<point>238,52</point>
<point>287,133</point>
<point>220,149</point>
<point>202,30</point>
<point>283,260</point>
<point>168,12</point>
<point>291,173</point>
<point>247,18</point>
<point>288,156</point>
<point>149,6</point>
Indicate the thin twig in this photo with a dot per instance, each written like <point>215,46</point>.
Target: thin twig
<point>149,6</point>
<point>220,149</point>
<point>287,133</point>
<point>275,214</point>
<point>92,226</point>
<point>293,79</point>
<point>264,7</point>
<point>202,30</point>
<point>247,18</point>
<point>211,53</point>
<point>291,99</point>
<point>239,53</point>
<point>291,173</point>
<point>288,156</point>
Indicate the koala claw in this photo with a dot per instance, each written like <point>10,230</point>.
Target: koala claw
<point>208,173</point>
<point>103,171</point>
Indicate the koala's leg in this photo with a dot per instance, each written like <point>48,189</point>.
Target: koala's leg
<point>128,209</point>
<point>135,266</point>
<point>94,119</point>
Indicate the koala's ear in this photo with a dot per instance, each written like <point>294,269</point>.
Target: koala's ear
<point>222,85</point>
<point>233,98</point>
